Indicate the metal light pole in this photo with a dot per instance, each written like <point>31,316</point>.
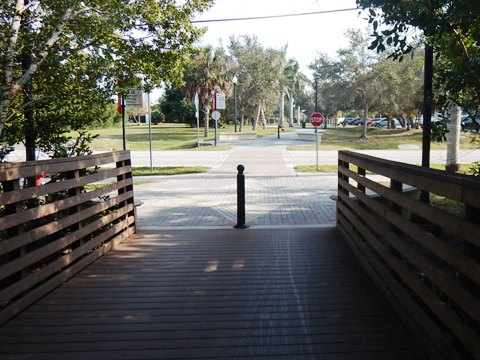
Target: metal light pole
<point>234,80</point>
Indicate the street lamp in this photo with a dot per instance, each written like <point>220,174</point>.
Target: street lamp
<point>234,80</point>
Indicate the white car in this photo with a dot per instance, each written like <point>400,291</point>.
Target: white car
<point>384,123</point>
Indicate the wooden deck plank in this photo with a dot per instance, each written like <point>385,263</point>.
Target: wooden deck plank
<point>283,294</point>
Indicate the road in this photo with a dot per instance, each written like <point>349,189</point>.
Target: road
<point>214,158</point>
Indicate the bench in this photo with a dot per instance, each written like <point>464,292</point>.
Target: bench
<point>308,136</point>
<point>237,136</point>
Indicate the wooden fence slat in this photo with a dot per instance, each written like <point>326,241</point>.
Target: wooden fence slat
<point>9,171</point>
<point>45,272</point>
<point>49,188</point>
<point>428,240</point>
<point>464,334</point>
<point>423,264</point>
<point>50,228</point>
<point>59,205</point>
<point>45,287</point>
<point>434,341</point>
<point>457,225</point>
<point>75,220</point>
<point>457,187</point>
<point>34,256</point>
<point>395,250</point>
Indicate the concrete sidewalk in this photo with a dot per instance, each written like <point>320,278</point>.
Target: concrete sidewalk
<point>275,193</point>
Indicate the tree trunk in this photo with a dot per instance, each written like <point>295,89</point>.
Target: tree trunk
<point>30,128</point>
<point>242,120</point>
<point>281,114</point>
<point>453,138</point>
<point>264,119</point>
<point>207,120</point>
<point>391,123</point>
<point>363,135</point>
<point>291,110</point>
<point>257,117</point>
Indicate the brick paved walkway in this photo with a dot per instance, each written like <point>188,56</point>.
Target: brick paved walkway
<point>275,193</point>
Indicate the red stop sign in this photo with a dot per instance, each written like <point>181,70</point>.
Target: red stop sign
<point>316,119</point>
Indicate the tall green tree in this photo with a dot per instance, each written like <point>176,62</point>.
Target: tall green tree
<point>294,83</point>
<point>333,93</point>
<point>402,94</point>
<point>450,28</point>
<point>258,72</point>
<point>209,71</point>
<point>111,45</point>
<point>355,74</point>
<point>176,107</point>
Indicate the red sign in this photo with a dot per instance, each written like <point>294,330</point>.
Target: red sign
<point>316,119</point>
<point>119,104</point>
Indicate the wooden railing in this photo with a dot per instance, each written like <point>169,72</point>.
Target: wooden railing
<point>416,231</point>
<point>52,229</point>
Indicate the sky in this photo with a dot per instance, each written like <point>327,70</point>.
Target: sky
<point>305,36</point>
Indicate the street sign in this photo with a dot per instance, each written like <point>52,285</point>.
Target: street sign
<point>134,99</point>
<point>196,102</point>
<point>220,101</point>
<point>316,119</point>
<point>215,115</point>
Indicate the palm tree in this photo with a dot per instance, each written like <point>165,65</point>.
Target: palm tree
<point>294,83</point>
<point>210,71</point>
<point>291,83</point>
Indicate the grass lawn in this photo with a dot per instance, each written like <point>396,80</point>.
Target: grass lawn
<point>168,170</point>
<point>378,139</point>
<point>182,137</point>
<point>164,137</point>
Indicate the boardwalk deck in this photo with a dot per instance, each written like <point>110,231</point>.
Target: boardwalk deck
<point>257,293</point>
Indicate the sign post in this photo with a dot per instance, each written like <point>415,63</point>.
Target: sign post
<point>216,117</point>
<point>316,119</point>
<point>197,115</point>
<point>150,129</point>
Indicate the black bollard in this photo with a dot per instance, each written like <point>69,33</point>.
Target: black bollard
<point>240,198</point>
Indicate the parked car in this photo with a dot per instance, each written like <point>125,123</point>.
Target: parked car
<point>359,121</point>
<point>348,121</point>
<point>383,123</point>
<point>468,124</point>
<point>375,120</point>
<point>435,121</point>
